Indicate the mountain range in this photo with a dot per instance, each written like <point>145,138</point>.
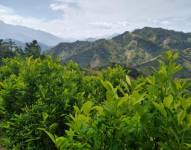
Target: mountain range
<point>139,49</point>
<point>25,34</point>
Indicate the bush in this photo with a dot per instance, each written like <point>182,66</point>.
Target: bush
<point>41,93</point>
<point>106,110</point>
<point>153,114</point>
<point>29,90</point>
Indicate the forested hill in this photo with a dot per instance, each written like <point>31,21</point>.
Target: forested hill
<point>130,48</point>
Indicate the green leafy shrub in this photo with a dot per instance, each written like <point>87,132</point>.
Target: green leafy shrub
<point>32,88</point>
<point>106,110</point>
<point>153,114</point>
<point>113,74</point>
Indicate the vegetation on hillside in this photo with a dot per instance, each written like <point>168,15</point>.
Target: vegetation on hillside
<point>130,48</point>
<point>47,105</point>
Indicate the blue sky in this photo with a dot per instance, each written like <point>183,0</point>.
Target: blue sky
<point>35,8</point>
<point>81,19</point>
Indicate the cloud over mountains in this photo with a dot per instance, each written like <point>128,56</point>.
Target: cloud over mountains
<point>89,18</point>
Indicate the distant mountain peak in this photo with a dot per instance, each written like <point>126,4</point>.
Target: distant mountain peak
<point>26,34</point>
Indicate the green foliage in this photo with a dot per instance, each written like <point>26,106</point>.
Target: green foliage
<point>153,114</point>
<point>33,49</point>
<point>9,49</point>
<point>46,105</point>
<point>41,93</point>
<point>33,87</point>
<point>92,88</point>
<point>114,74</point>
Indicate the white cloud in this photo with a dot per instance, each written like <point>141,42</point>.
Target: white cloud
<point>60,5</point>
<point>105,17</point>
<point>97,18</point>
<point>8,15</point>
<point>4,9</point>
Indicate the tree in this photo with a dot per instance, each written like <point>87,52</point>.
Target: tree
<point>33,49</point>
<point>5,49</point>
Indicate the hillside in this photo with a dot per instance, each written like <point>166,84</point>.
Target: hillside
<point>130,48</point>
<point>25,34</point>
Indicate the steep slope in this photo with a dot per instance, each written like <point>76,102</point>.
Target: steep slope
<point>137,48</point>
<point>25,34</point>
